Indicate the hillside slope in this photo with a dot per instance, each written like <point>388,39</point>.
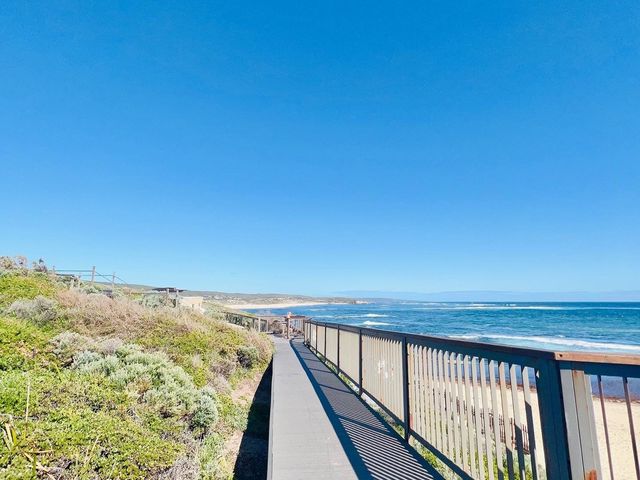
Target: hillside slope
<point>95,387</point>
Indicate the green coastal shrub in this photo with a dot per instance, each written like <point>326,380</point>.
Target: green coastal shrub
<point>16,286</point>
<point>78,428</point>
<point>206,409</point>
<point>79,425</point>
<point>23,346</point>
<point>247,356</point>
<point>213,464</point>
<point>40,310</point>
<point>68,344</point>
<point>155,380</point>
<point>156,301</point>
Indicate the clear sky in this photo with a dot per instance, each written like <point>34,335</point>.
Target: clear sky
<point>314,147</point>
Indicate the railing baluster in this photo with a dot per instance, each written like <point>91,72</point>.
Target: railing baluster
<point>441,402</point>
<point>530,425</point>
<point>432,399</point>
<point>457,429</point>
<point>405,389</point>
<point>606,427</point>
<point>496,420</point>
<point>478,419</point>
<point>634,440</point>
<point>517,424</point>
<point>386,374</point>
<point>485,414</point>
<point>416,389</point>
<point>469,407</point>
<point>428,412</point>
<point>463,423</point>
<point>506,419</point>
<point>419,393</point>
<point>451,432</point>
<point>400,356</point>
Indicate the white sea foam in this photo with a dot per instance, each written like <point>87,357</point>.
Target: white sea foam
<point>551,341</point>
<point>371,323</point>
<point>515,306</point>
<point>496,307</point>
<point>363,315</point>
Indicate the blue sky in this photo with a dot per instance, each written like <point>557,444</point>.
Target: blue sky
<point>314,148</point>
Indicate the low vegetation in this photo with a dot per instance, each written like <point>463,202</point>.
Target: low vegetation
<point>99,387</point>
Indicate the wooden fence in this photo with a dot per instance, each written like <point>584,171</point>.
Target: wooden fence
<point>491,411</point>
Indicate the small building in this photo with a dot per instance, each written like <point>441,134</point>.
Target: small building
<point>194,303</point>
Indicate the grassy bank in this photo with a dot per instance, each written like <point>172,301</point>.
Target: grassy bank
<point>99,387</point>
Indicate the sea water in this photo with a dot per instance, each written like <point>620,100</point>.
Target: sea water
<point>598,327</point>
<point>595,327</point>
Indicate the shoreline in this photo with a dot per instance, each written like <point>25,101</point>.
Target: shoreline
<point>267,306</point>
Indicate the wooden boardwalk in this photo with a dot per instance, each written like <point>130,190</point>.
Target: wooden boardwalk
<point>321,430</point>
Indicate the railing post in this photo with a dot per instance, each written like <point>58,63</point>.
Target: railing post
<point>405,389</point>
<point>324,352</point>
<point>552,421</point>
<point>360,361</point>
<point>584,456</point>
<point>338,349</point>
<point>316,338</point>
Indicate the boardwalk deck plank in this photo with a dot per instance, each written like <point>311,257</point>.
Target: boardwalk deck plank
<point>321,429</point>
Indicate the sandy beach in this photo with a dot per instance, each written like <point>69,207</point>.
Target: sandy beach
<point>268,306</point>
<point>618,428</point>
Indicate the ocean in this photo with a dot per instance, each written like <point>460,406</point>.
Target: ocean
<point>599,327</point>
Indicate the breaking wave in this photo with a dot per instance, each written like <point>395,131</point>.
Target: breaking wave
<point>550,342</point>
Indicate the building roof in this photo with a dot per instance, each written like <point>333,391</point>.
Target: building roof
<point>168,289</point>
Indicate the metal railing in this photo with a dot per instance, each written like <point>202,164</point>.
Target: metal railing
<point>91,276</point>
<point>250,322</point>
<point>492,411</point>
<point>280,324</point>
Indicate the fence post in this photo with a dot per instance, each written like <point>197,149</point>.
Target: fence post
<point>360,361</point>
<point>552,421</point>
<point>405,388</point>
<point>93,275</point>
<point>113,282</point>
